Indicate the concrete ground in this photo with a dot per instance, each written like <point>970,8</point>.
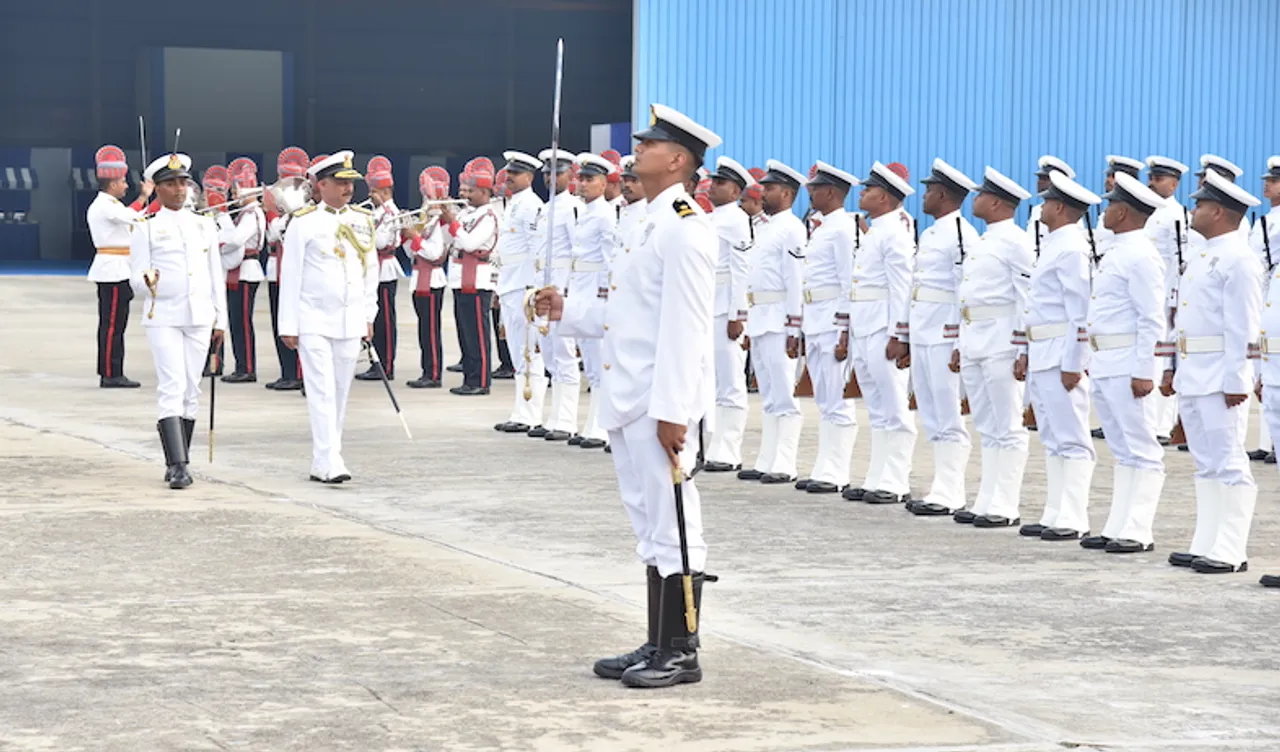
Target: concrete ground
<point>454,595</point>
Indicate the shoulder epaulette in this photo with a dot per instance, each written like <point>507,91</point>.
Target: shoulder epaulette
<point>362,210</point>
<point>304,211</point>
<point>683,209</point>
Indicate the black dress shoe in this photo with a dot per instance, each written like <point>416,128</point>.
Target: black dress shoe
<point>537,432</point>
<point>288,385</point>
<point>1095,542</point>
<point>964,516</point>
<point>575,440</point>
<point>335,480</point>
<point>1271,458</point>
<point>469,391</point>
<point>994,520</point>
<point>593,444</point>
<point>1258,455</point>
<point>1163,440</point>
<point>929,509</point>
<point>773,479</point>
<point>1270,580</point>
<point>820,487</point>
<point>1184,448</point>
<point>510,427</point>
<point>1209,566</point>
<point>1182,559</point>
<point>423,383</point>
<point>802,484</point>
<point>503,373</point>
<point>1123,546</point>
<point>750,474</point>
<point>1031,531</point>
<point>853,494</point>
<point>1097,433</point>
<point>608,450</point>
<point>240,378</point>
<point>720,467</point>
<point>455,368</point>
<point>117,382</point>
<point>371,375</point>
<point>1061,534</point>
<point>557,436</point>
<point>885,497</point>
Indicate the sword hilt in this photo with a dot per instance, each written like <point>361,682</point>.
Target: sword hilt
<point>690,610</point>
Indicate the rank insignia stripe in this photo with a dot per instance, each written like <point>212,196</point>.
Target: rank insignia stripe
<point>683,209</point>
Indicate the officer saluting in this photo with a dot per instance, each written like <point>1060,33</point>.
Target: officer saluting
<point>658,384</point>
<point>1217,317</point>
<point>174,262</point>
<point>328,302</point>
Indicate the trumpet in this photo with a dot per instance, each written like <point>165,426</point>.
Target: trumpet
<point>289,194</point>
<point>366,204</point>
<point>427,208</point>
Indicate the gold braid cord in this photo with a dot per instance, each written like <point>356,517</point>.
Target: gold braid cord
<point>346,233</point>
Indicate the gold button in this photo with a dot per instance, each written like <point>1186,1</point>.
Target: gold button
<point>606,327</point>
<point>1093,297</point>
<point>613,287</point>
<point>607,366</point>
<point>1184,302</point>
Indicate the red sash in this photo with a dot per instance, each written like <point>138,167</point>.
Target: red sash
<point>471,261</point>
<point>424,267</point>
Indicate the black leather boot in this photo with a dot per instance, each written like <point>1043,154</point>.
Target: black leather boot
<point>188,429</point>
<point>175,451</point>
<point>612,668</point>
<point>676,659</point>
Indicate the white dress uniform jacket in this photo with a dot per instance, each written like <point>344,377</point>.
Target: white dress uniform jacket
<point>1168,229</point>
<point>994,291</point>
<point>939,266</point>
<point>474,237</point>
<point>386,239</point>
<point>733,229</point>
<point>327,287</point>
<point>430,246</point>
<point>569,209</point>
<point>1268,252</point>
<point>774,279</point>
<point>183,248</point>
<point>628,231</point>
<point>518,247</point>
<point>109,224</point>
<point>245,232</point>
<point>1058,303</point>
<point>880,290</point>
<point>655,329</point>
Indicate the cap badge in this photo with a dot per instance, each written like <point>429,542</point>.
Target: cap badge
<point>653,116</point>
<point>174,162</point>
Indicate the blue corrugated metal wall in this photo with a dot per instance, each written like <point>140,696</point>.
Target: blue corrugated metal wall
<point>975,82</point>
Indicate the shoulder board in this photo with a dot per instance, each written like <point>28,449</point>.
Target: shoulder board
<point>683,209</point>
<point>362,210</point>
<point>144,218</point>
<point>304,211</point>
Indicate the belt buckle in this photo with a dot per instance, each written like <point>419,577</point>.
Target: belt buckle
<point>915,294</point>
<point>751,298</point>
<point>1263,347</point>
<point>964,314</point>
<point>808,296</point>
<point>1182,346</point>
<point>1093,342</point>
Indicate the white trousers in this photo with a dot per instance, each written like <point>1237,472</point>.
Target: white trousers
<point>1271,410</point>
<point>937,392</point>
<point>1062,417</point>
<point>1128,423</point>
<point>560,355</point>
<point>329,365</point>
<point>1166,413</point>
<point>995,401</point>
<point>517,326</point>
<point>1264,428</point>
<point>775,374</point>
<point>1225,491</point>
<point>180,354</point>
<point>731,364</point>
<point>883,384</point>
<point>829,377</point>
<point>648,495</point>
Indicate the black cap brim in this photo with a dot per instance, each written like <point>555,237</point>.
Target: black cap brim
<point>1119,195</point>
<point>875,181</point>
<point>822,178</point>
<point>664,131</point>
<point>1209,193</point>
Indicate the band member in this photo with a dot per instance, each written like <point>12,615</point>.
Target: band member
<point>428,245</point>
<point>1045,166</point>
<point>505,370</point>
<point>1217,320</point>
<point>592,248</point>
<point>518,247</point>
<point>475,236</point>
<point>292,164</point>
<point>1126,321</point>
<point>933,331</point>
<point>389,271</point>
<point>216,185</point>
<point>733,229</point>
<point>774,310</point>
<point>613,190</point>
<point>109,223</point>
<point>658,385</point>
<point>828,270</point>
<point>240,259</point>
<point>174,263</point>
<point>1167,229</point>
<point>328,302</point>
<point>559,352</point>
<point>1057,356</point>
<point>993,296</point>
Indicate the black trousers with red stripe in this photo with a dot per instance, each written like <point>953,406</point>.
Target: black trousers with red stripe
<point>289,368</point>
<point>384,327</point>
<point>428,305</point>
<point>240,300</point>
<point>471,310</point>
<point>113,317</point>
<point>504,351</point>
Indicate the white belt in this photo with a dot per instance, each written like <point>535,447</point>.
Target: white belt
<point>1041,332</point>
<point>864,294</point>
<point>723,279</point>
<point>821,294</point>
<point>932,295</point>
<point>986,312</point>
<point>1270,345</point>
<point>1112,341</point>
<point>1189,345</point>
<point>764,297</point>
<point>514,258</point>
<point>588,266</point>
<point>560,263</point>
